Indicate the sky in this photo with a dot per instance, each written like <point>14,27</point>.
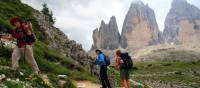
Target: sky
<point>78,18</point>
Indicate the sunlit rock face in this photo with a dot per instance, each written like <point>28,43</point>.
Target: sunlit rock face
<point>182,24</point>
<point>140,27</point>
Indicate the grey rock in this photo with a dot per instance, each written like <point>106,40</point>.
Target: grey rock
<point>59,41</point>
<point>107,37</point>
<point>139,12</point>
<point>180,10</point>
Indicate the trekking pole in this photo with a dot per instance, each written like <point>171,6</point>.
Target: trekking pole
<point>1,43</point>
<point>24,50</point>
<point>24,54</point>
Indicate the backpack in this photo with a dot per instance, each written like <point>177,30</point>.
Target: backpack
<point>107,60</point>
<point>33,37</point>
<point>128,63</point>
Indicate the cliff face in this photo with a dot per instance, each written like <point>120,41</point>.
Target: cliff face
<point>182,24</point>
<point>107,37</point>
<point>140,27</point>
<point>59,41</point>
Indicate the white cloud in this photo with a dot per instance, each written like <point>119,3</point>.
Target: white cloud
<point>78,18</point>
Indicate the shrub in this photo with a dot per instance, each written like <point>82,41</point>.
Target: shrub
<point>149,65</point>
<point>135,68</point>
<point>5,55</point>
<point>68,84</point>
<point>178,73</point>
<point>167,64</point>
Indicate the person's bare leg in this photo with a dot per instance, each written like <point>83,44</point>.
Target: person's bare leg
<point>125,84</point>
<point>122,83</point>
<point>128,83</point>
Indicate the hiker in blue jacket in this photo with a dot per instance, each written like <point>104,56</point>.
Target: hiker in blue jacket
<point>100,60</point>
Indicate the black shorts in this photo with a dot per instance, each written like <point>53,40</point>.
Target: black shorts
<point>124,74</point>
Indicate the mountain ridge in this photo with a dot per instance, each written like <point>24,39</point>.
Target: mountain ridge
<point>142,12</point>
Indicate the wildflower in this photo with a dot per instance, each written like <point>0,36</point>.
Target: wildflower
<point>61,76</point>
<point>46,81</point>
<point>8,79</point>
<point>17,80</point>
<point>21,73</point>
<point>3,76</point>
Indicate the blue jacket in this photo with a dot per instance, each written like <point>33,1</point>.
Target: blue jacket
<point>101,60</point>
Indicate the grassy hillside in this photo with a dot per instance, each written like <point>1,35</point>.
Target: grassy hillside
<point>168,66</point>
<point>170,74</point>
<point>50,62</point>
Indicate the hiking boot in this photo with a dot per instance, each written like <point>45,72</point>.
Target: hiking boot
<point>37,72</point>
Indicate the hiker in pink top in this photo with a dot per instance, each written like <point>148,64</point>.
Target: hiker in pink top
<point>124,73</point>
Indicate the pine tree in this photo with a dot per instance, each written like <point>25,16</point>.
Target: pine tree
<point>48,13</point>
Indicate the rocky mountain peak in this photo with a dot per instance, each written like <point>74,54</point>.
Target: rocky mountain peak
<point>95,30</point>
<point>182,23</point>
<point>102,22</point>
<point>113,19</point>
<point>140,20</point>
<point>107,37</point>
<point>178,2</point>
<point>139,2</point>
<point>113,24</point>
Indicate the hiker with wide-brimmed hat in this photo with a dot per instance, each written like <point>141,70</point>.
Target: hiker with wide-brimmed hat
<point>23,48</point>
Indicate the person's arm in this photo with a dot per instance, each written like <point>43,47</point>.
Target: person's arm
<point>30,30</point>
<point>117,63</point>
<point>100,59</point>
<point>31,26</point>
<point>97,60</point>
<point>17,35</point>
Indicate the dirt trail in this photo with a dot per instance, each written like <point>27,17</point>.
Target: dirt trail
<point>86,84</point>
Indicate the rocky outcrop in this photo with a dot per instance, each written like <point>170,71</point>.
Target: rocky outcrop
<point>168,53</point>
<point>107,37</point>
<point>57,40</point>
<point>182,24</point>
<point>140,27</point>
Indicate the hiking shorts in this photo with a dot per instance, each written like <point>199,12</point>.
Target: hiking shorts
<point>124,74</point>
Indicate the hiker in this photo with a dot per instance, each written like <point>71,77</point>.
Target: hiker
<point>24,47</point>
<point>101,61</point>
<point>124,72</point>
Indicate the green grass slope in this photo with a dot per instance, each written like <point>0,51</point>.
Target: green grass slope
<point>50,62</point>
<point>170,74</point>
